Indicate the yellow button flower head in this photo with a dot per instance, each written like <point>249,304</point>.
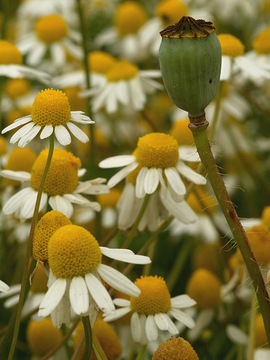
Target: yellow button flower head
<point>259,239</point>
<point>51,28</point>
<point>16,88</point>
<point>45,228</point>
<point>42,336</point>
<point>152,309</point>
<point>266,216</point>
<point>62,187</point>
<point>9,53</point>
<point>181,132</point>
<point>231,45</point>
<point>175,349</point>
<point>129,17</point>
<point>3,146</point>
<point>100,61</point>
<point>39,280</point>
<point>170,11</point>
<point>261,43</point>
<point>76,271</point>
<point>50,114</point>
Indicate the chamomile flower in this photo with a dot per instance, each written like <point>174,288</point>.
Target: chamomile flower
<point>124,85</point>
<point>62,187</point>
<point>11,64</point>
<point>50,113</point>
<point>175,348</point>
<point>152,310</point>
<point>54,35</point>
<point>76,270</point>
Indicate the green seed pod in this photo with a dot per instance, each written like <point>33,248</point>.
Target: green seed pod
<point>190,63</point>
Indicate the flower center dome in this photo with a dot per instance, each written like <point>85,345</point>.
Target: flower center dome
<point>182,133</point>
<point>175,349</point>
<point>62,177</point>
<point>154,297</point>
<point>157,150</point>
<point>129,17</point>
<point>121,70</point>
<point>170,11</point>
<point>51,28</point>
<point>73,251</point>
<point>230,45</point>
<point>261,43</point>
<point>50,107</point>
<point>9,54</point>
<point>17,87</point>
<point>259,239</point>
<point>100,61</point>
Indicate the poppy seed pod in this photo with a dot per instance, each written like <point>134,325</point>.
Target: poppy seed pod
<point>190,63</point>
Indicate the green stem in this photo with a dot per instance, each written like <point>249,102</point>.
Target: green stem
<point>29,260</point>
<point>141,352</point>
<point>198,126</point>
<point>87,337</point>
<point>100,355</point>
<point>252,328</point>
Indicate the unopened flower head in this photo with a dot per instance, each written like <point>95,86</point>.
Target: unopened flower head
<point>152,310</point>
<point>50,113</point>
<point>176,349</point>
<point>75,259</point>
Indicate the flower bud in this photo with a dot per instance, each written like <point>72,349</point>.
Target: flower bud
<point>190,63</point>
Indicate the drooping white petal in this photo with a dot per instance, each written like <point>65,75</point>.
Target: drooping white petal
<point>62,135</point>
<point>99,293</point>
<point>172,328</point>
<point>28,205</point>
<point>139,190</point>
<point>21,121</point>
<point>80,117</point>
<point>60,203</point>
<point>77,132</point>
<point>116,314</point>
<point>175,181</point>
<point>162,321</point>
<point>16,175</point>
<point>151,329</point>
<point>190,174</point>
<point>182,301</point>
<point>236,334</point>
<point>52,297</point>
<point>21,132</point>
<point>151,181</point>
<point>183,318</point>
<point>135,327</point>
<point>125,255</point>
<point>188,153</point>
<point>120,175</point>
<point>14,203</point>
<point>121,302</point>
<point>46,132</point>
<point>116,161</point>
<point>79,297</point>
<point>29,136</point>
<point>117,280</point>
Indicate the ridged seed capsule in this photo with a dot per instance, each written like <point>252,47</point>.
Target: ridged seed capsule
<point>190,63</point>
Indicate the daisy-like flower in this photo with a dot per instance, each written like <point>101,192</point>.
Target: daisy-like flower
<point>11,64</point>
<point>234,60</point>
<point>124,85</point>
<point>157,166</point>
<point>52,34</point>
<point>76,270</point>
<point>50,113</point>
<point>62,187</point>
<point>152,310</point>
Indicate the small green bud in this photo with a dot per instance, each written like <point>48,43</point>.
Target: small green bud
<point>190,63</point>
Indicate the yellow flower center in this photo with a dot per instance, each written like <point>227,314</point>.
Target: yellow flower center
<point>100,61</point>
<point>129,17</point>
<point>75,101</point>
<point>261,43</point>
<point>266,216</point>
<point>154,297</point>
<point>51,28</point>
<point>181,132</point>
<point>201,202</point>
<point>157,150</point>
<point>170,11</point>
<point>42,336</point>
<point>3,146</point>
<point>39,281</point>
<point>121,70</point>
<point>73,251</point>
<point>204,287</point>
<point>259,239</point>
<point>51,107</point>
<point>9,54</point>
<point>20,159</point>
<point>230,45</point>
<point>175,349</point>
<point>15,88</point>
<point>260,334</point>
<point>109,200</point>
<point>47,225</point>
<point>206,255</point>
<point>62,177</point>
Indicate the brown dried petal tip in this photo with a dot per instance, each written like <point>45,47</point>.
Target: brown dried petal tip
<point>187,27</point>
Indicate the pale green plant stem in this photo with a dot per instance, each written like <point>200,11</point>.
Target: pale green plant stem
<point>141,352</point>
<point>252,328</point>
<point>198,127</point>
<point>87,337</point>
<point>100,355</point>
<point>29,259</point>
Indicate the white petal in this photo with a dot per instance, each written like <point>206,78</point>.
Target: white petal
<point>116,314</point>
<point>135,326</point>
<point>189,153</point>
<point>151,329</point>
<point>140,193</point>
<point>62,135</point>
<point>21,132</point>
<point>125,255</point>
<point>172,328</point>
<point>183,318</point>
<point>117,161</point>
<point>78,295</point>
<point>24,140</point>
<point>46,131</point>
<point>175,181</point>
<point>182,301</point>
<point>15,201</point>
<point>53,297</point>
<point>16,123</point>
<point>99,293</point>
<point>77,132</point>
<point>190,174</point>
<point>151,181</point>
<point>81,118</point>
<point>121,302</point>
<point>236,335</point>
<point>162,321</point>
<point>60,203</point>
<point>3,286</point>
<point>117,280</point>
<point>29,204</point>
<point>16,175</point>
<point>120,175</point>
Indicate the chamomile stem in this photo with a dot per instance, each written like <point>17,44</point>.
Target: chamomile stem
<point>198,126</point>
<point>29,260</point>
<point>141,352</point>
<point>100,355</point>
<point>87,337</point>
<point>251,340</point>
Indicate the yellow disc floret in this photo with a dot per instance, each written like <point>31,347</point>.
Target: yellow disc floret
<point>154,297</point>
<point>259,239</point>
<point>50,107</point>
<point>73,251</point>
<point>170,11</point>
<point>100,61</point>
<point>42,336</point>
<point>109,200</point>
<point>266,216</point>
<point>157,150</point>
<point>205,288</point>
<point>175,349</point>
<point>231,45</point>
<point>9,54</point>
<point>261,43</point>
<point>62,177</point>
<point>15,88</point>
<point>201,202</point>
<point>51,28</point>
<point>182,133</point>
<point>45,228</point>
<point>260,333</point>
<point>121,70</point>
<point>129,17</point>
<point>3,146</point>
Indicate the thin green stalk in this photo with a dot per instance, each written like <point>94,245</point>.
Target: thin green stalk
<point>100,355</point>
<point>29,260</point>
<point>87,337</point>
<point>252,328</point>
<point>198,127</point>
<point>141,352</point>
